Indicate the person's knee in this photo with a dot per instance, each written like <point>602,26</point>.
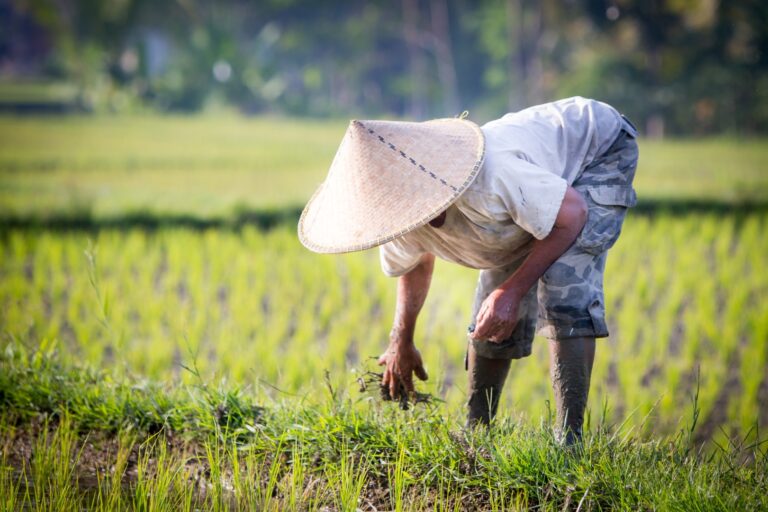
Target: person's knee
<point>569,355</point>
<point>573,347</point>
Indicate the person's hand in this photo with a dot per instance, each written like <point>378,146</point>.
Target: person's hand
<point>401,360</point>
<point>497,317</point>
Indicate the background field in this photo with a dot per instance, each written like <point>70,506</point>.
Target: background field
<point>216,168</point>
<point>687,290</point>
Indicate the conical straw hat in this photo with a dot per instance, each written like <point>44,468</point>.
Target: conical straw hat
<point>388,178</point>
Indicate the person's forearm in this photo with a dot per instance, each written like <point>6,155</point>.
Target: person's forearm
<point>402,360</point>
<point>545,252</point>
<point>412,291</point>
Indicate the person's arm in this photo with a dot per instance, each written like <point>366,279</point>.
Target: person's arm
<point>401,358</point>
<point>498,314</point>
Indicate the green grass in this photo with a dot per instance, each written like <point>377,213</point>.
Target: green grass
<point>337,450</point>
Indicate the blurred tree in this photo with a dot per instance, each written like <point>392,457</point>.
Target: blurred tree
<point>442,45</point>
<point>675,66</point>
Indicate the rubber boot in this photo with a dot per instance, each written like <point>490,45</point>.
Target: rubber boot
<point>486,380</point>
<point>570,366</point>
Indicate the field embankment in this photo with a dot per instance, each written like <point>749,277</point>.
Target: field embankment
<point>74,438</point>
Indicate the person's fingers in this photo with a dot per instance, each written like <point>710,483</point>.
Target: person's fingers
<point>502,332</point>
<point>497,334</point>
<point>506,333</point>
<point>509,328</point>
<point>382,359</point>
<point>421,372</point>
<point>407,380</point>
<point>491,329</point>
<point>483,328</point>
<point>393,392</point>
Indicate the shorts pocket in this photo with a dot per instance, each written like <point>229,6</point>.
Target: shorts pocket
<point>607,209</point>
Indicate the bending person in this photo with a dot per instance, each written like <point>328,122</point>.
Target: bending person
<point>533,200</point>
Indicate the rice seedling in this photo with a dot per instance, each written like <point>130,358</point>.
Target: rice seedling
<point>181,306</point>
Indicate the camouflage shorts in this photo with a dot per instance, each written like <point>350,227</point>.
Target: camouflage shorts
<point>568,300</point>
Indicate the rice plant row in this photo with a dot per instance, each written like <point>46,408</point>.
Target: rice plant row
<point>687,299</point>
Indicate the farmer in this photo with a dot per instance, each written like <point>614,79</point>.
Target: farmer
<point>533,200</point>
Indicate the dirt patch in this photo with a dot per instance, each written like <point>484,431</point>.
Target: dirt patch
<point>98,456</point>
<point>371,382</point>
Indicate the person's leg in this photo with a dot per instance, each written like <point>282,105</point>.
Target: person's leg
<point>488,363</point>
<point>572,312</point>
<point>572,315</point>
<point>570,366</point>
<point>486,380</point>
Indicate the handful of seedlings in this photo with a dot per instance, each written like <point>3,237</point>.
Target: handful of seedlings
<point>373,380</point>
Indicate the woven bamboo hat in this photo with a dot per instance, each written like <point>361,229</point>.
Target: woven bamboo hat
<point>389,178</point>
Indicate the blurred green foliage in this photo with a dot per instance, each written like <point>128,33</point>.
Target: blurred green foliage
<point>679,67</point>
<point>223,168</point>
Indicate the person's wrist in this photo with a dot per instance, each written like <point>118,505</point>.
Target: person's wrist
<point>400,338</point>
<point>513,291</point>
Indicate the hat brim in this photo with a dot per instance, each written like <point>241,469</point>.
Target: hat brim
<point>389,178</point>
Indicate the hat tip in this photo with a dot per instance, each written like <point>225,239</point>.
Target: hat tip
<point>356,125</point>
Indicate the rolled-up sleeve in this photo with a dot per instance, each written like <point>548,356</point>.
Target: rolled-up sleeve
<point>531,195</point>
<point>399,256</point>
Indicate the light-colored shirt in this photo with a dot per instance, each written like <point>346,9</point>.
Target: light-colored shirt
<point>531,157</point>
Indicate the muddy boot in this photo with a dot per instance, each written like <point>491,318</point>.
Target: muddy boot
<point>486,380</point>
<point>570,365</point>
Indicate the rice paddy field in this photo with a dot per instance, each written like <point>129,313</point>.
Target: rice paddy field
<point>167,344</point>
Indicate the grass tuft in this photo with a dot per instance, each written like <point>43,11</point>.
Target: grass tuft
<point>341,454</point>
